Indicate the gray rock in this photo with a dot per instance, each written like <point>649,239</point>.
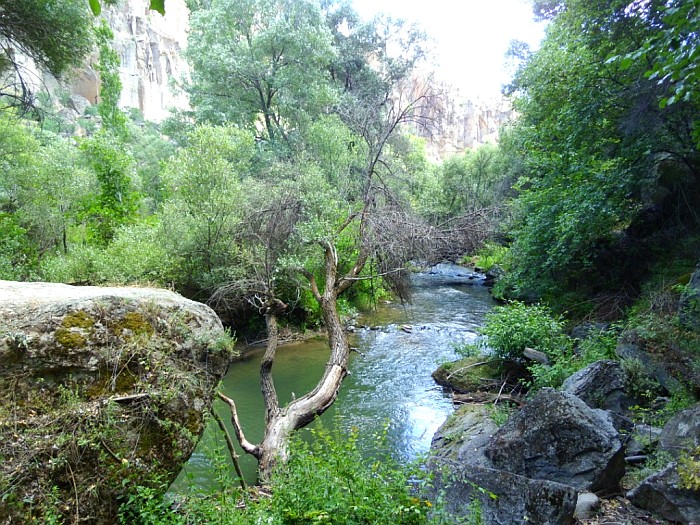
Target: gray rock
<point>682,432</point>
<point>661,494</point>
<point>78,103</point>
<point>643,439</point>
<point>464,436</point>
<point>503,498</point>
<point>557,437</point>
<point>586,504</point>
<point>689,305</point>
<point>629,350</point>
<point>109,384</point>
<point>600,385</point>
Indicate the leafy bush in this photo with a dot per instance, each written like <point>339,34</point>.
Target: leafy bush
<point>565,361</point>
<point>490,255</point>
<point>516,326</point>
<point>327,480</point>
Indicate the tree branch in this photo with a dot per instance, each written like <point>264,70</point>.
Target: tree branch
<point>246,445</point>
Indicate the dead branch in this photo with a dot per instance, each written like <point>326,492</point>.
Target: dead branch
<point>246,445</point>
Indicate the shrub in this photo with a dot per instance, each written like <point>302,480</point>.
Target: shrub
<point>516,326</point>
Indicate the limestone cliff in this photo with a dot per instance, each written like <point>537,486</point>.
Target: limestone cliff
<point>455,123</point>
<point>101,390</point>
<point>150,47</point>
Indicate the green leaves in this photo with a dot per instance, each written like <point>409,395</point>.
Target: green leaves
<point>95,7</point>
<point>156,5</point>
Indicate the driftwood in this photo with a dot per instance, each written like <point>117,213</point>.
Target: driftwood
<point>485,397</point>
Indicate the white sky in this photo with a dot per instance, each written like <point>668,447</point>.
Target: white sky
<point>471,36</point>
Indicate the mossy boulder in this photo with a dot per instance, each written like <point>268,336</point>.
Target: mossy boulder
<point>470,374</point>
<point>101,390</point>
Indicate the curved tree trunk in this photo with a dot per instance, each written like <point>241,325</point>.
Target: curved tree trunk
<point>282,422</point>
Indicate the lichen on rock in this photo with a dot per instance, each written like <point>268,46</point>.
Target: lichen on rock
<point>99,386</point>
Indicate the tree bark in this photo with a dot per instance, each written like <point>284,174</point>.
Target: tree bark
<point>282,422</point>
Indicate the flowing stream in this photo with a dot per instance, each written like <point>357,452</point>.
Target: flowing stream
<point>389,381</point>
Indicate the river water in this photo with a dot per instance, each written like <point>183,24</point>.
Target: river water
<point>389,381</point>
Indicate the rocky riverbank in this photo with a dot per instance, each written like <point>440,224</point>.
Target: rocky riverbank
<point>601,447</point>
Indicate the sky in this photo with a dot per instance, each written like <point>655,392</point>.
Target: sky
<point>471,37</point>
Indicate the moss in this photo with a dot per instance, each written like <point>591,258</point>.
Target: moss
<point>468,375</point>
<point>68,338</point>
<point>78,319</point>
<point>75,329</point>
<point>135,323</point>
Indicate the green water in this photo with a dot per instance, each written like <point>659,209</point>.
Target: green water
<point>389,382</point>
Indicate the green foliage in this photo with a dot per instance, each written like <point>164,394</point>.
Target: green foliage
<point>57,34</point>
<point>327,480</point>
<point>116,203</point>
<point>110,84</point>
<point>591,138</point>
<point>147,506</point>
<point>489,256</point>
<point>511,328</point>
<point>566,361</point>
<point>689,469</point>
<point>259,59</point>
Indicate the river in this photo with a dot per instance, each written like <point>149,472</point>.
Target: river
<point>389,379</point>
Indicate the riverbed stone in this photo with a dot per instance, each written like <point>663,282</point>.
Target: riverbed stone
<point>99,385</point>
<point>557,437</point>
<point>467,375</point>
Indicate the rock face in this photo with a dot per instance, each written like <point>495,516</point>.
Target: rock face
<point>600,385</point>
<point>457,123</point>
<point>97,386</point>
<point>682,432</point>
<point>503,498</point>
<point>150,48</point>
<point>557,437</point>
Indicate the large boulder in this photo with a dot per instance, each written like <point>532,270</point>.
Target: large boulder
<point>464,436</point>
<point>603,385</point>
<point>662,494</point>
<point>557,437</point>
<point>600,385</point>
<point>497,497</point>
<point>101,390</point>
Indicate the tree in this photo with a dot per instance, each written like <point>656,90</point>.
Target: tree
<point>55,34</point>
<point>259,62</point>
<point>594,144</point>
<point>203,181</point>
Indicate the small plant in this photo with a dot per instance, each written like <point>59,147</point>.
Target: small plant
<point>689,469</point>
<point>499,413</point>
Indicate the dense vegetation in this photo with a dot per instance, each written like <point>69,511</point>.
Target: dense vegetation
<point>297,152</point>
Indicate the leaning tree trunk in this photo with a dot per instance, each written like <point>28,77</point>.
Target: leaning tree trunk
<point>281,422</point>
